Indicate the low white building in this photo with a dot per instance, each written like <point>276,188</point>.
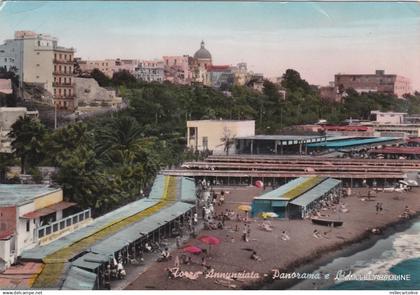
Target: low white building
<point>211,135</point>
<point>387,117</point>
<point>34,215</point>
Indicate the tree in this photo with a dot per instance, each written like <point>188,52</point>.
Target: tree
<point>123,77</point>
<point>102,79</point>
<point>227,140</point>
<point>28,141</point>
<point>5,161</point>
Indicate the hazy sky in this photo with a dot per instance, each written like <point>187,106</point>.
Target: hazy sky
<point>317,39</point>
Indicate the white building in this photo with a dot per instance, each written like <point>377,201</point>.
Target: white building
<point>150,71</point>
<point>33,215</point>
<point>211,135</point>
<point>37,58</point>
<point>387,117</point>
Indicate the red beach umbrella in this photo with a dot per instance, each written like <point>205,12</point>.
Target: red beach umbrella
<point>209,240</point>
<point>192,249</point>
<point>259,184</point>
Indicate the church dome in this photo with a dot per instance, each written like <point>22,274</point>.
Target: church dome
<point>202,53</point>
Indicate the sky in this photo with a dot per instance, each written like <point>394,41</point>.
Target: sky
<point>318,39</point>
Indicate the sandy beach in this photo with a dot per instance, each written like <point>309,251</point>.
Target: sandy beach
<point>233,254</point>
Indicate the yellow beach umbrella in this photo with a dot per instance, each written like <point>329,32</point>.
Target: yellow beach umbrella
<point>245,208</point>
<point>268,215</point>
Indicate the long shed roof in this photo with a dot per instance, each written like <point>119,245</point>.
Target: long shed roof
<point>316,192</point>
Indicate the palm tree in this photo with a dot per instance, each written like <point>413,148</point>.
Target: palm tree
<point>27,140</point>
<point>121,136</point>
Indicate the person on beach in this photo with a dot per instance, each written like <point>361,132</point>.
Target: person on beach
<point>176,262</point>
<point>380,207</point>
<point>178,242</point>
<point>284,236</point>
<point>244,235</point>
<point>254,256</point>
<point>377,207</point>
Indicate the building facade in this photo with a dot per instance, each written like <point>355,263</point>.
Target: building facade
<point>37,58</point>
<point>220,76</point>
<point>177,69</point>
<point>150,71</point>
<point>379,82</point>
<point>106,66</point>
<point>34,215</point>
<point>211,135</point>
<point>387,117</point>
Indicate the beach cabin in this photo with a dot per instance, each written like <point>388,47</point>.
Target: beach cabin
<point>295,198</point>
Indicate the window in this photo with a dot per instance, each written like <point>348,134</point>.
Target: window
<point>28,225</point>
<point>205,142</point>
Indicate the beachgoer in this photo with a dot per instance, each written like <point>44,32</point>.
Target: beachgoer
<point>254,256</point>
<point>377,207</point>
<point>178,242</point>
<point>176,263</point>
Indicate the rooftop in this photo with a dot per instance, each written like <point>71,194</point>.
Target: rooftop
<point>347,143</point>
<point>281,137</point>
<point>18,194</point>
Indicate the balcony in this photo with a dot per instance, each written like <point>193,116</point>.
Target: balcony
<point>63,61</point>
<point>62,84</point>
<point>62,73</point>
<point>62,97</point>
<point>56,229</point>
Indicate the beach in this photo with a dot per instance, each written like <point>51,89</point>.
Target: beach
<point>230,260</point>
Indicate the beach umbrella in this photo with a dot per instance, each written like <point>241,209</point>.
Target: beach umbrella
<point>245,208</point>
<point>209,240</point>
<point>259,184</point>
<point>192,249</point>
<point>269,215</point>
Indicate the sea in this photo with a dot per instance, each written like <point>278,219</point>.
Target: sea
<point>391,263</point>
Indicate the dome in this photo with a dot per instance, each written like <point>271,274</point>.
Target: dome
<point>202,53</point>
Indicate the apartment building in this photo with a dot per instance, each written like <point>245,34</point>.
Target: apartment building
<point>177,69</point>
<point>37,59</point>
<point>379,82</point>
<point>150,71</point>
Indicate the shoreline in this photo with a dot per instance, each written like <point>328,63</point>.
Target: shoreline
<point>302,253</point>
<point>324,256</point>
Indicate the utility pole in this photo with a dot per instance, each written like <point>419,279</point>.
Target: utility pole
<point>55,116</point>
